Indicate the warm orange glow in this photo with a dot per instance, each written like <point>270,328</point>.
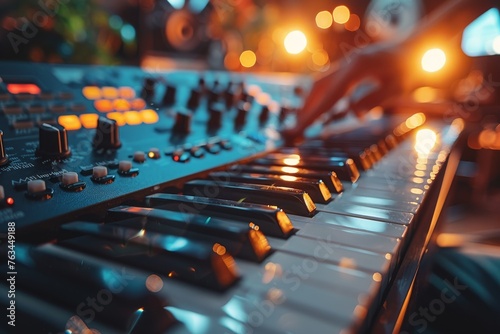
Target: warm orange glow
<point>292,160</point>
<point>288,178</point>
<point>103,105</point>
<point>377,277</point>
<point>320,58</point>
<point>10,201</point>
<point>425,140</point>
<point>324,19</point>
<point>92,93</point>
<point>433,60</point>
<point>295,42</point>
<point>231,61</point>
<point>132,118</point>
<point>354,23</point>
<point>138,104</point>
<point>219,249</point>
<point>89,121</point>
<point>70,122</point>
<point>121,105</point>
<point>425,94</point>
<point>149,116</point>
<point>118,117</point>
<point>290,170</point>
<point>109,93</point>
<point>341,14</point>
<point>23,89</point>
<point>126,93</point>
<point>248,58</point>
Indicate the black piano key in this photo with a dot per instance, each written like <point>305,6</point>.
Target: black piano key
<point>37,315</point>
<point>272,221</point>
<point>100,302</point>
<point>328,177</point>
<point>245,241</point>
<point>289,199</point>
<point>216,273</point>
<point>361,155</point>
<point>345,168</point>
<point>181,253</point>
<point>317,190</point>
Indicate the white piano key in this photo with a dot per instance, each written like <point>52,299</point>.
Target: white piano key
<point>356,223</point>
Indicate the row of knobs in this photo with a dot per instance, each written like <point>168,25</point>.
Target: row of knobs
<point>53,139</point>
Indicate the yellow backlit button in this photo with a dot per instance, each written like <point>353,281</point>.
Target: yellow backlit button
<point>104,105</point>
<point>132,117</point>
<point>70,122</point>
<point>138,104</point>
<point>118,117</point>
<point>109,93</point>
<point>126,93</point>
<point>149,116</point>
<point>92,92</point>
<point>89,121</point>
<point>121,105</point>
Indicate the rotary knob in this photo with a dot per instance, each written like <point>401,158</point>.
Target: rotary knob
<point>3,157</point>
<point>194,99</point>
<point>241,116</point>
<point>182,123</point>
<point>215,116</point>
<point>169,96</point>
<point>52,142</point>
<point>107,135</point>
<point>148,89</point>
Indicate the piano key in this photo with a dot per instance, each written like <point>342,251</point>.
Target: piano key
<point>377,202</point>
<point>328,177</point>
<point>217,273</point>
<point>355,223</point>
<point>272,220</point>
<point>361,156</point>
<point>324,251</point>
<point>384,215</point>
<point>289,199</point>
<point>317,190</point>
<point>133,313</point>
<point>403,194</point>
<point>245,241</point>
<point>37,315</point>
<point>345,169</point>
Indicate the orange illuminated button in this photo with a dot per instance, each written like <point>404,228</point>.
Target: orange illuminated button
<point>149,116</point>
<point>23,89</point>
<point>104,105</point>
<point>70,122</point>
<point>132,118</point>
<point>118,117</point>
<point>138,104</point>
<point>89,121</point>
<point>121,105</point>
<point>126,93</point>
<point>109,93</point>
<point>92,93</point>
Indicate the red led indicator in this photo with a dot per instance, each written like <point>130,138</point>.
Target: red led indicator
<point>10,201</point>
<point>23,89</point>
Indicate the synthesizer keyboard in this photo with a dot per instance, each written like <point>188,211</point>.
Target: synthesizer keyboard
<point>166,202</point>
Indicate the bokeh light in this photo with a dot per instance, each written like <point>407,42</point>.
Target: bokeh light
<point>324,19</point>
<point>433,60</point>
<point>295,42</point>
<point>354,23</point>
<point>248,58</point>
<point>341,14</point>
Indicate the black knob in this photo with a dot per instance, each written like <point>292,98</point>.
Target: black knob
<point>215,116</point>
<point>148,89</point>
<point>182,122</point>
<point>284,112</point>
<point>107,135</point>
<point>241,116</point>
<point>3,157</point>
<point>169,97</point>
<point>194,99</point>
<point>264,115</point>
<point>52,142</point>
